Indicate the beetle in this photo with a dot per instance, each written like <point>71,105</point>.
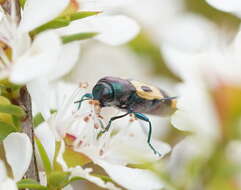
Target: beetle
<point>133,97</point>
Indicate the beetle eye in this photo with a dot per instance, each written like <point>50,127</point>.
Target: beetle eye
<point>103,92</point>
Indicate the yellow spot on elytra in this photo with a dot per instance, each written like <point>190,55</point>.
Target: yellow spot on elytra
<point>153,93</point>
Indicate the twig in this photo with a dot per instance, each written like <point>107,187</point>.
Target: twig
<point>27,126</point>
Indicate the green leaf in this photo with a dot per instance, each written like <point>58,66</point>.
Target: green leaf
<point>58,179</point>
<point>76,178</point>
<point>44,157</point>
<point>103,177</point>
<point>79,36</point>
<point>22,3</point>
<point>30,184</point>
<point>62,21</point>
<point>38,119</point>
<point>6,129</point>
<point>13,110</point>
<point>17,123</point>
<point>83,14</point>
<point>56,23</point>
<point>74,159</point>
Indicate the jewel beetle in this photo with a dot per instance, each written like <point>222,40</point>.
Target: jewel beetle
<point>132,97</point>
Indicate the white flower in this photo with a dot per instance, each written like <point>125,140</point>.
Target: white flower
<point>45,56</point>
<point>111,152</point>
<point>202,72</point>
<point>40,58</point>
<point>18,153</point>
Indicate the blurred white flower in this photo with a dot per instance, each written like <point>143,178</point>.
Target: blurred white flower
<point>111,152</point>
<point>187,25</point>
<point>201,72</point>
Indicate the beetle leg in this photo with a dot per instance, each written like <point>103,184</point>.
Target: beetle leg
<point>87,96</point>
<point>145,118</point>
<point>109,124</point>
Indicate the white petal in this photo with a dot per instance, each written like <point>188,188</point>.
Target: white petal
<point>18,149</point>
<point>180,33</point>
<point>85,173</point>
<point>20,45</point>
<point>37,12</point>
<point>194,99</point>
<point>39,60</point>
<point>116,30</point>
<point>131,178</point>
<point>68,57</point>
<point>8,184</point>
<point>60,158</point>
<point>128,149</point>
<point>105,55</point>
<point>3,172</point>
<point>39,91</point>
<point>183,63</point>
<point>47,138</point>
<point>68,187</point>
<point>5,182</point>
<point>113,30</point>
<point>189,148</point>
<point>100,5</point>
<point>227,5</point>
<point>1,15</point>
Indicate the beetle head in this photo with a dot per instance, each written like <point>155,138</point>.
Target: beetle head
<point>103,92</point>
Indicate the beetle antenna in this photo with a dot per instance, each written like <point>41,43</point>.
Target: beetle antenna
<point>85,97</point>
<point>169,98</point>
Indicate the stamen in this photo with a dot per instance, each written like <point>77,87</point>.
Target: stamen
<point>80,143</point>
<point>101,152</point>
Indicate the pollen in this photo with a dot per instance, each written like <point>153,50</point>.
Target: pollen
<point>80,143</point>
<point>83,85</point>
<point>91,102</point>
<point>86,119</point>
<point>96,126</point>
